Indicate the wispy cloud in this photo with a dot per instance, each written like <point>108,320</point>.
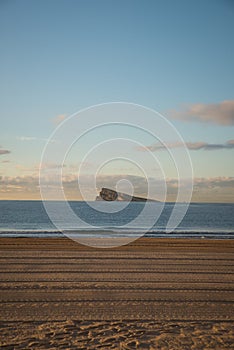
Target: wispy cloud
<point>31,138</point>
<point>26,138</point>
<point>193,146</point>
<point>219,113</point>
<point>59,118</point>
<point>50,166</point>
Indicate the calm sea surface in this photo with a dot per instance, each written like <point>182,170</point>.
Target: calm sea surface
<point>29,218</point>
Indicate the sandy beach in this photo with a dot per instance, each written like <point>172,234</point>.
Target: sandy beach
<point>150,294</point>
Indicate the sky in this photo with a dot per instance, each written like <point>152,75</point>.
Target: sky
<point>61,56</point>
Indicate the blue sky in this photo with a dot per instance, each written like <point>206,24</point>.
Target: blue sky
<point>60,56</point>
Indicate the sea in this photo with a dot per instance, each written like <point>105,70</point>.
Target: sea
<point>202,220</point>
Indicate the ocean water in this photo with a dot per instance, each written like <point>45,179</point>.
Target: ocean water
<point>202,220</point>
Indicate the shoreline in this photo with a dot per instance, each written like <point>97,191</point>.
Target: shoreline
<point>115,234</point>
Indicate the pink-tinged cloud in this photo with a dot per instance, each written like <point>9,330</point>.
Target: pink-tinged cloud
<point>4,151</point>
<point>218,113</point>
<point>59,118</point>
<point>230,142</point>
<point>193,146</point>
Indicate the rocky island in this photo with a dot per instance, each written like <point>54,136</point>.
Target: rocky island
<point>107,194</point>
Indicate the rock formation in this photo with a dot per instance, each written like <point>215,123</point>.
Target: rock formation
<point>107,194</point>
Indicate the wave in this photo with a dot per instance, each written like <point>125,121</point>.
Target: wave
<point>119,232</point>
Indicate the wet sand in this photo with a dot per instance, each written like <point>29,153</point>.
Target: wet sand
<point>150,294</point>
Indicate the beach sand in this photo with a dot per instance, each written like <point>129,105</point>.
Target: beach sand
<point>150,294</point>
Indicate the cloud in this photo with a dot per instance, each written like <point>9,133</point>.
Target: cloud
<point>4,151</point>
<point>50,166</point>
<point>32,138</point>
<point>204,182</point>
<point>214,182</point>
<point>218,113</point>
<point>26,138</point>
<point>231,142</point>
<point>214,189</point>
<point>59,118</point>
<point>22,183</point>
<point>193,146</point>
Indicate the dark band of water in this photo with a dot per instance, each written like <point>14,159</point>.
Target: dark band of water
<point>29,219</point>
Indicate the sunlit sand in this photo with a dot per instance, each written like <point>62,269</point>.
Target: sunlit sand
<point>151,294</point>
